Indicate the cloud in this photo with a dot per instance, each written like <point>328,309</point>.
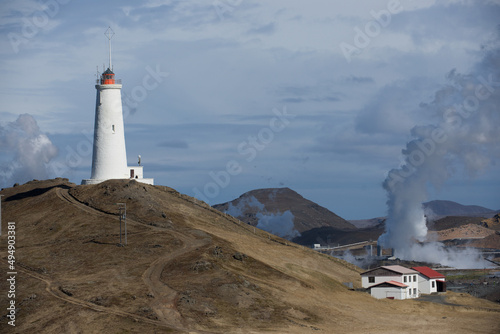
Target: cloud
<point>174,144</point>
<point>266,29</point>
<point>444,22</point>
<point>358,79</point>
<point>293,100</point>
<point>394,109</point>
<point>321,92</point>
<point>29,149</point>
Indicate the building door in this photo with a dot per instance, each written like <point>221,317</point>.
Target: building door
<point>131,173</point>
<point>441,286</point>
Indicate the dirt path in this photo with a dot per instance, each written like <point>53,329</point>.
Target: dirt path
<point>64,195</point>
<point>57,293</point>
<point>164,303</point>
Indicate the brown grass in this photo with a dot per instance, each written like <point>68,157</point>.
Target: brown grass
<point>188,268</point>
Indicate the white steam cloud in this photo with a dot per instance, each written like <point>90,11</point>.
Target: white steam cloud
<point>244,203</point>
<point>465,138</point>
<point>363,260</point>
<point>26,151</point>
<point>280,224</point>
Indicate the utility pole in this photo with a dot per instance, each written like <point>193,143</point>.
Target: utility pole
<point>122,212</point>
<point>125,220</point>
<point>1,215</point>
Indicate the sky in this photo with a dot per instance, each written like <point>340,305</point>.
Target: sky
<point>221,97</point>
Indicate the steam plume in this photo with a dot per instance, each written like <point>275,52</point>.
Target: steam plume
<point>280,224</point>
<point>27,149</point>
<point>465,138</point>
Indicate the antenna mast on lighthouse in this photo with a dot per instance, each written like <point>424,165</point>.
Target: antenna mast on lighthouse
<point>109,34</point>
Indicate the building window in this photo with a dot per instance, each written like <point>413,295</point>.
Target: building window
<point>371,279</point>
<point>404,279</point>
<point>113,128</point>
<point>414,291</point>
<point>414,278</point>
<point>433,284</point>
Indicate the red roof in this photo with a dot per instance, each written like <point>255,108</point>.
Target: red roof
<point>428,272</point>
<point>398,284</point>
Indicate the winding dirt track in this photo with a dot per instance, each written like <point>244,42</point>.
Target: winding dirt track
<point>165,297</point>
<point>164,303</point>
<point>54,291</point>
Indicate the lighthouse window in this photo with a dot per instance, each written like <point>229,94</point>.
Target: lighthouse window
<point>113,128</point>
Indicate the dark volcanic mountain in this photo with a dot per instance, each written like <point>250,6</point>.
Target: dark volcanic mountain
<point>306,214</point>
<point>449,208</point>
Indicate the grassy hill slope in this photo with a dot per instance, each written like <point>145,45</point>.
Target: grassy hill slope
<point>187,268</point>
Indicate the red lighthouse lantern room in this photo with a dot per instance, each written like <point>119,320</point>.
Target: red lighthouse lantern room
<point>108,77</point>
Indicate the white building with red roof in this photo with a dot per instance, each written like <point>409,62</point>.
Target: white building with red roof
<point>430,281</point>
<point>395,282</point>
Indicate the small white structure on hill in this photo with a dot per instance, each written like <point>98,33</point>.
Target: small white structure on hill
<point>395,282</point>
<point>430,281</point>
<point>109,156</point>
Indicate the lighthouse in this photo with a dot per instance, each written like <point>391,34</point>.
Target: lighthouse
<point>109,156</point>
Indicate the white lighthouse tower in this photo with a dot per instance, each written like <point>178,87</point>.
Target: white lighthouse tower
<point>109,158</point>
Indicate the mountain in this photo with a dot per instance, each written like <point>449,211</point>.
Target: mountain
<point>449,208</point>
<point>255,206</point>
<point>186,268</point>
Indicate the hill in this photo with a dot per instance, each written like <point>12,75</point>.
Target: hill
<point>466,231</point>
<point>493,223</point>
<point>253,206</point>
<point>450,208</point>
<point>186,268</point>
<point>449,222</point>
